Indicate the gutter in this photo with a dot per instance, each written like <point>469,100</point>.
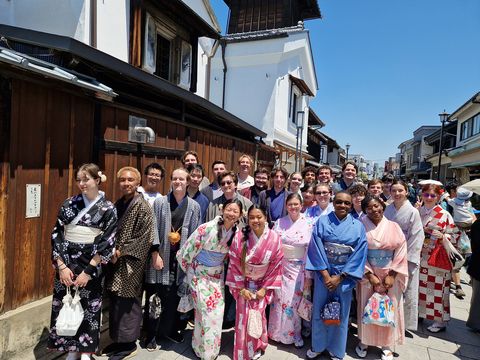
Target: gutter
<point>223,44</point>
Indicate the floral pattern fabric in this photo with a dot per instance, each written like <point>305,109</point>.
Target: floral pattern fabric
<point>102,215</point>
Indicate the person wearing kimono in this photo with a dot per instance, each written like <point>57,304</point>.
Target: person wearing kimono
<point>386,271</point>
<point>177,217</point>
<point>295,231</point>
<point>434,285</point>
<point>274,198</point>
<point>323,193</point>
<point>404,214</point>
<point>336,256</point>
<point>202,258</point>
<point>254,273</point>
<point>135,234</point>
<point>78,259</point>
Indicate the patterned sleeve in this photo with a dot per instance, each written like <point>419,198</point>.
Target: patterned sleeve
<point>107,241</point>
<point>192,247</point>
<point>235,277</point>
<point>59,244</point>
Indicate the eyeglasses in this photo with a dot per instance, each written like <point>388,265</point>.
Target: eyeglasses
<point>226,182</point>
<point>159,176</point>
<point>340,202</point>
<point>427,195</point>
<point>322,193</point>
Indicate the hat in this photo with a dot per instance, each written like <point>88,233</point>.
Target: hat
<point>462,196</point>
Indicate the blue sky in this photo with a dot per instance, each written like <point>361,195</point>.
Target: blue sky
<point>384,68</point>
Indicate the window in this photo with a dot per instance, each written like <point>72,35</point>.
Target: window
<point>166,54</point>
<point>470,127</point>
<point>295,106</point>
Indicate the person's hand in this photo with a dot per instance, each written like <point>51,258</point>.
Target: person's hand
<point>334,281</point>
<point>326,279</point>
<point>388,281</point>
<point>157,261</point>
<point>436,234</point>
<point>82,280</point>
<point>66,276</point>
<point>247,295</point>
<point>374,280</point>
<point>419,203</point>
<point>260,294</point>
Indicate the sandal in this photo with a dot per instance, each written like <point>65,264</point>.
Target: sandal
<point>312,354</point>
<point>387,355</point>
<point>361,350</point>
<point>436,328</point>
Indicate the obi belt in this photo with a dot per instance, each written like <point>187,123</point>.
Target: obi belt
<point>379,257</point>
<point>294,253</point>
<point>253,274</point>
<point>210,258</point>
<point>81,234</point>
<point>337,254</point>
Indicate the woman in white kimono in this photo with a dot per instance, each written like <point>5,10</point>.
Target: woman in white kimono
<point>202,258</point>
<point>404,214</point>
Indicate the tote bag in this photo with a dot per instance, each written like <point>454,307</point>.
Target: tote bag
<point>71,314</point>
<point>304,309</point>
<point>254,324</point>
<point>439,258</point>
<point>379,311</point>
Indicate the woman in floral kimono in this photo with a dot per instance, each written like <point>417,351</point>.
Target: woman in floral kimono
<point>202,259</point>
<point>254,272</point>
<point>295,231</point>
<point>82,240</point>
<point>404,214</point>
<point>386,270</point>
<point>434,288</point>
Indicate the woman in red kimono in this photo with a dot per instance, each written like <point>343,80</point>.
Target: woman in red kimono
<point>253,274</point>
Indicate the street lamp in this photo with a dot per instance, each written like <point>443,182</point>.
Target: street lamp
<point>348,148</point>
<point>298,149</point>
<point>443,118</point>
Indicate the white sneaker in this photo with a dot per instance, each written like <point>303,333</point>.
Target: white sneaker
<point>73,356</point>
<point>312,354</point>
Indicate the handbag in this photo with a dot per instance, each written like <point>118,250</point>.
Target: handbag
<point>464,243</point>
<point>456,259</point>
<point>304,309</point>
<point>71,314</point>
<point>185,304</point>
<point>254,324</point>
<point>439,257</point>
<point>379,310</point>
<point>331,312</point>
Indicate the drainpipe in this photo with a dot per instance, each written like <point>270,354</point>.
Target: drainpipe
<point>93,23</point>
<point>223,44</point>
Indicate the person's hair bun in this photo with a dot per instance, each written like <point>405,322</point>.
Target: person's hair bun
<point>102,176</point>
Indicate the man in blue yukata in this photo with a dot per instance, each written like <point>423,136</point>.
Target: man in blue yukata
<point>337,256</point>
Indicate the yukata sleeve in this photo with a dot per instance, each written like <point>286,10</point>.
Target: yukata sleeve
<point>316,256</point>
<point>416,237</point>
<point>399,262</point>
<point>273,276</point>
<point>59,244</point>
<point>107,241</point>
<point>191,247</point>
<point>142,234</point>
<point>235,279</point>
<point>355,265</point>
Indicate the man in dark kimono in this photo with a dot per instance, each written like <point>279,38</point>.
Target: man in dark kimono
<point>135,235</point>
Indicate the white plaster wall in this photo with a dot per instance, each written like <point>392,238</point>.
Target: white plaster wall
<point>199,7</point>
<point>472,110</point>
<point>113,27</point>
<point>61,17</point>
<point>258,85</point>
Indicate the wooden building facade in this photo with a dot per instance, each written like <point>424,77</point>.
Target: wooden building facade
<point>48,127</point>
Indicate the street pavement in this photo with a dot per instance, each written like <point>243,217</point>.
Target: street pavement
<point>457,342</point>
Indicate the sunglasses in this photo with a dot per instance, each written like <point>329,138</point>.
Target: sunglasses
<point>322,193</point>
<point>340,202</point>
<point>226,182</point>
<point>427,195</point>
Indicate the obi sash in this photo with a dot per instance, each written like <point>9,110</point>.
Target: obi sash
<point>81,234</point>
<point>293,252</point>
<point>337,254</point>
<point>210,258</point>
<point>255,272</point>
<point>379,257</point>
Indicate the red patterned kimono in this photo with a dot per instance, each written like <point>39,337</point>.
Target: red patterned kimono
<point>262,270</point>
<point>434,287</point>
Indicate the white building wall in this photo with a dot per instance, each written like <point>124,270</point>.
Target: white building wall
<point>71,18</point>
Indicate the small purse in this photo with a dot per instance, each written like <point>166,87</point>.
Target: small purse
<point>379,310</point>
<point>174,236</point>
<point>254,324</point>
<point>71,314</point>
<point>186,304</point>
<point>331,312</point>
<point>304,309</point>
<point>439,257</point>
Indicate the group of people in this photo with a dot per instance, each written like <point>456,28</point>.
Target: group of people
<point>248,251</point>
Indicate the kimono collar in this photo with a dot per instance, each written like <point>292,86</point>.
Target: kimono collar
<point>375,232</point>
<point>171,198</point>
<point>262,236</point>
<point>336,217</point>
<point>88,202</point>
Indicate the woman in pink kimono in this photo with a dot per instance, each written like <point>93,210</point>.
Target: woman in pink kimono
<point>386,270</point>
<point>254,272</point>
<point>295,231</point>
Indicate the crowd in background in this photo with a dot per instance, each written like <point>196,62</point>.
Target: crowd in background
<point>275,255</point>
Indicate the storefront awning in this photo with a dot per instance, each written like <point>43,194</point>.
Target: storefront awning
<point>464,165</point>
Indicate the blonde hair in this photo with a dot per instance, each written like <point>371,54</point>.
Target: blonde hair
<point>131,169</point>
<point>246,156</point>
<point>181,169</point>
<point>92,170</point>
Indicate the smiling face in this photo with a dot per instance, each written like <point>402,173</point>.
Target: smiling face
<point>322,195</point>
<point>294,207</point>
<point>308,195</point>
<point>189,159</point>
<point>429,197</point>
<point>357,201</point>
<point>231,213</point>
<point>128,183</point>
<point>398,192</point>
<point>295,182</point>
<point>374,211</point>
<point>375,189</point>
<point>180,181</point>
<point>309,177</point>
<point>87,185</point>
<point>261,180</point>
<point>257,221</point>
<point>349,173</point>
<point>218,169</point>
<point>279,181</point>
<point>342,204</point>
<point>152,180</point>
<point>228,186</point>
<point>195,178</point>
<point>324,175</point>
<point>245,165</point>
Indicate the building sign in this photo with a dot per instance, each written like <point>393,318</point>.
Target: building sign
<point>34,192</point>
